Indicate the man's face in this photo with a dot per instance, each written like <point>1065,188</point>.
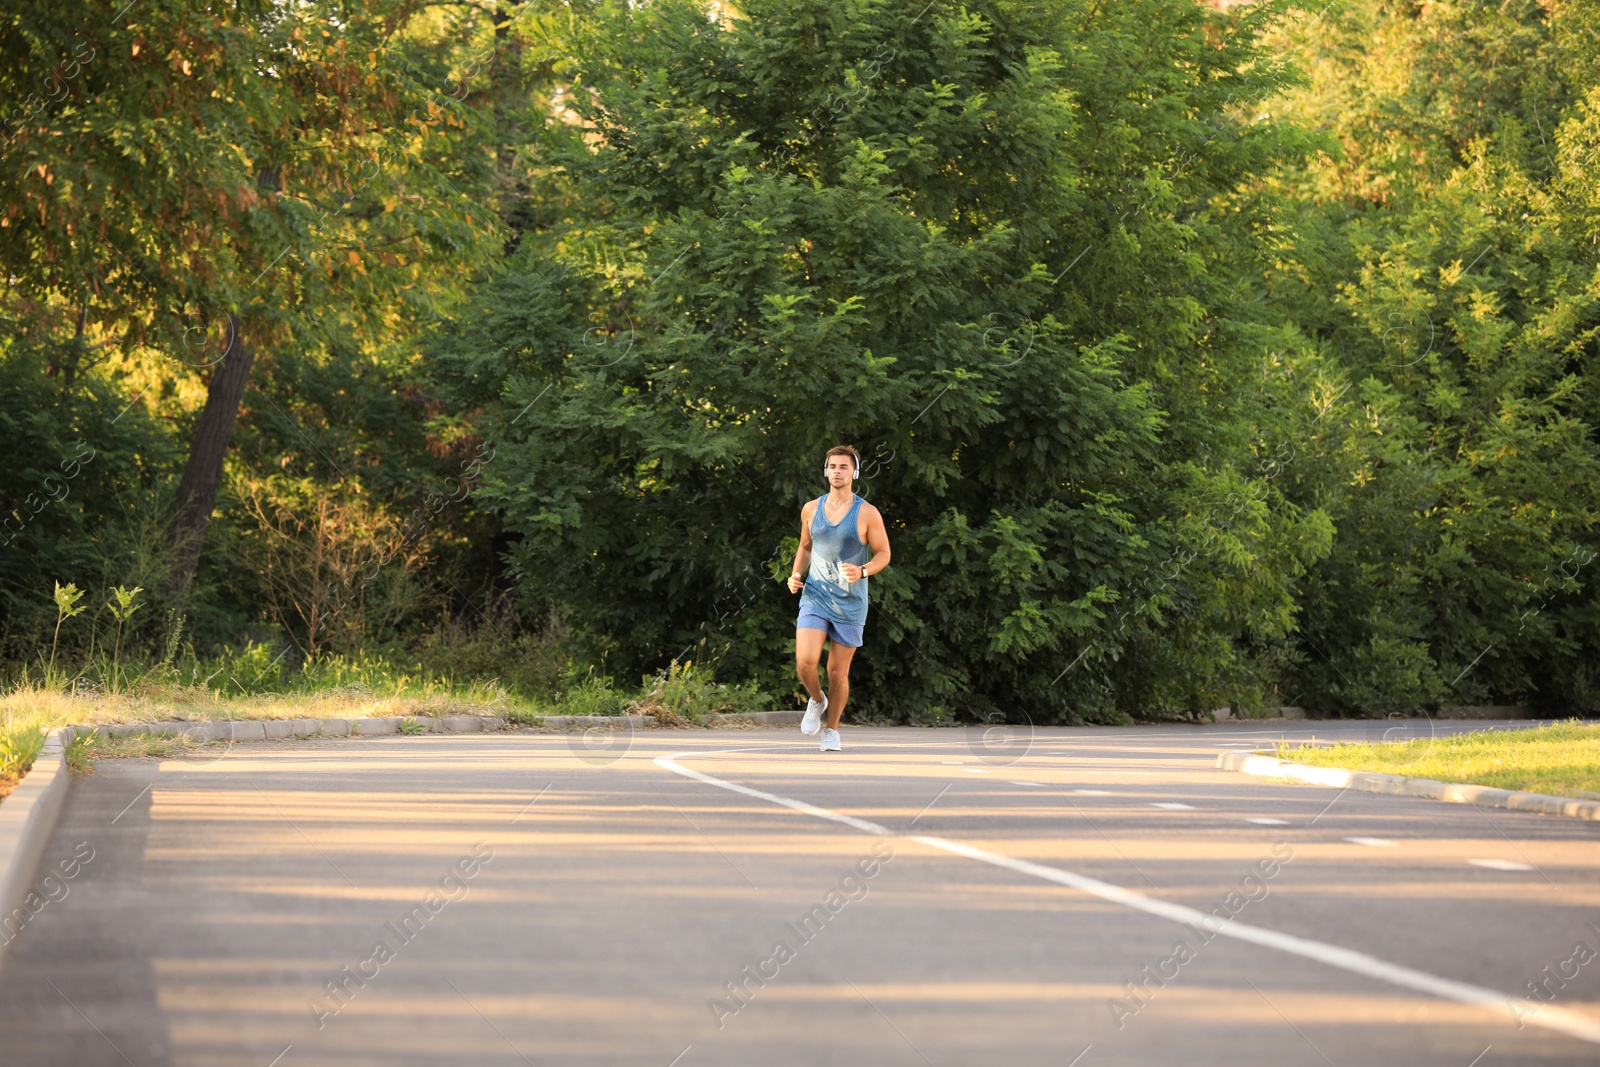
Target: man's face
<point>840,468</point>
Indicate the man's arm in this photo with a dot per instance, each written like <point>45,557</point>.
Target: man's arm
<point>802,556</point>
<point>877,543</point>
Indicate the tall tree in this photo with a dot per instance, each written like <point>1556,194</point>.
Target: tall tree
<point>997,247</point>
<point>1444,258</point>
<point>217,181</point>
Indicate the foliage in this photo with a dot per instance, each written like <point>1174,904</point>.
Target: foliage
<point>593,696</point>
<point>687,693</point>
<point>1199,354</point>
<point>199,160</point>
<point>535,663</point>
<point>80,468</point>
<point>81,753</point>
<point>66,597</point>
<point>333,569</point>
<point>1445,254</point>
<point>910,269</point>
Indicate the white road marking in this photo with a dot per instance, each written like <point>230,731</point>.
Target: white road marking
<point>1041,785</point>
<point>1091,792</point>
<point>1374,842</point>
<point>1519,1009</point>
<point>1502,865</point>
<point>1262,821</point>
<point>1172,805</point>
<point>975,770</point>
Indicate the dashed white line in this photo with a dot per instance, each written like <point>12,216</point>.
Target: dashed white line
<point>1502,865</point>
<point>1091,792</point>
<point>1172,805</point>
<point>1041,785</point>
<point>1519,1009</point>
<point>1372,842</point>
<point>1261,820</point>
<point>975,770</point>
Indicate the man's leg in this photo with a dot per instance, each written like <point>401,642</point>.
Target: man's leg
<point>807,651</point>
<point>839,657</point>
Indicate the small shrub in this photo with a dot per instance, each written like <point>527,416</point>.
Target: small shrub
<point>81,753</point>
<point>686,693</point>
<point>592,696</point>
<point>534,664</point>
<point>528,714</point>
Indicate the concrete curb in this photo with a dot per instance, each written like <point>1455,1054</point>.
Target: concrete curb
<point>758,718</point>
<point>643,722</point>
<point>287,729</point>
<point>1397,785</point>
<point>27,819</point>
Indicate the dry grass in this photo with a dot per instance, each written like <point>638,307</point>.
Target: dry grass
<point>27,711</point>
<point>35,706</point>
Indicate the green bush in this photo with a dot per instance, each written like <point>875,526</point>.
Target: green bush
<point>685,692</point>
<point>592,696</point>
<point>532,664</point>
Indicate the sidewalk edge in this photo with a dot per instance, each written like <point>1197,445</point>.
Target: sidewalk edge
<point>1398,785</point>
<point>27,819</point>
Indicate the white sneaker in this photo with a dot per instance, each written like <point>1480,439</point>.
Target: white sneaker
<point>811,722</point>
<point>830,741</point>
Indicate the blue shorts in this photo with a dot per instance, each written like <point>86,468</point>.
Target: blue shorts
<point>840,633</point>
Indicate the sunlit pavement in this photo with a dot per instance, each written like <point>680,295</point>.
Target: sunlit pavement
<point>568,899</point>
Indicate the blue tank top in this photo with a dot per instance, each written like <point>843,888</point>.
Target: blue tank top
<point>826,593</point>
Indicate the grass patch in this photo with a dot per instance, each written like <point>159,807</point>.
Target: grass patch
<point>92,747</point>
<point>29,703</point>
<point>331,688</point>
<point>343,688</point>
<point>1562,760</point>
<point>20,743</point>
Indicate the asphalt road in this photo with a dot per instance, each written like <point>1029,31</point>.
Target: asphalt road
<point>686,898</point>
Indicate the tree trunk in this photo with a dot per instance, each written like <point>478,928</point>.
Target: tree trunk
<point>507,86</point>
<point>202,475</point>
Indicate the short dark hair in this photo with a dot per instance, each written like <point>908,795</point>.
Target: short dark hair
<point>843,450</point>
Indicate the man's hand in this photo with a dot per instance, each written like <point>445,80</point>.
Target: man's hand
<point>795,583</point>
<point>853,572</point>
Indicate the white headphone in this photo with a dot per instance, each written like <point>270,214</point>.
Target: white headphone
<point>826,475</point>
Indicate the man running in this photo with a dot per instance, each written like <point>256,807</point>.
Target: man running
<point>835,533</point>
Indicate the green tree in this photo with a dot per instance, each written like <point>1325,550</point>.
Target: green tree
<point>998,248</point>
<point>1445,262</point>
<point>217,181</point>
